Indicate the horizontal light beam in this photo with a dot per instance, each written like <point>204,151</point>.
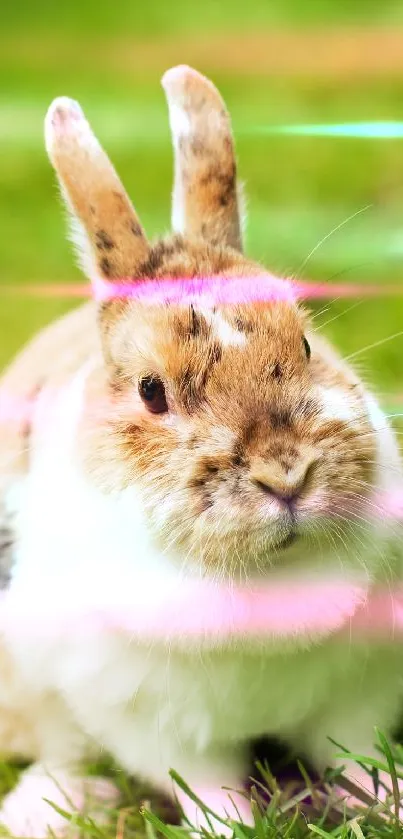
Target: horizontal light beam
<point>387,130</point>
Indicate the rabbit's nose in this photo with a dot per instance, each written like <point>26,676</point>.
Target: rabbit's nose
<point>282,480</point>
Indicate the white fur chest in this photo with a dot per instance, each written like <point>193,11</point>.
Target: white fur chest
<point>81,554</point>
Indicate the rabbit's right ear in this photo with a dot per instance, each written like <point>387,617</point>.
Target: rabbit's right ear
<point>205,201</point>
<point>109,237</point>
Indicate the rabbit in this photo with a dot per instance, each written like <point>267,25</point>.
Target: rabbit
<point>197,525</point>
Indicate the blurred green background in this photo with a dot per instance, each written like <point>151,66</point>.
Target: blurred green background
<point>275,62</point>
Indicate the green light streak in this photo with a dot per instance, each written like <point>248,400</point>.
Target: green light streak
<point>358,130</point>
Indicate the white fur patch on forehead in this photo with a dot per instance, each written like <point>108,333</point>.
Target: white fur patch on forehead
<point>335,405</point>
<point>222,330</point>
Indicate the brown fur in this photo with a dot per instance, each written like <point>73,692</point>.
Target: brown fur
<point>205,166</point>
<point>244,422</point>
<point>278,441</point>
<point>97,200</point>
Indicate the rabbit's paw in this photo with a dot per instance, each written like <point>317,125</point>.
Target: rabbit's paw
<point>25,811</point>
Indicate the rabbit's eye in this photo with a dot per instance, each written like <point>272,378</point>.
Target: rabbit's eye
<point>307,348</point>
<point>152,392</point>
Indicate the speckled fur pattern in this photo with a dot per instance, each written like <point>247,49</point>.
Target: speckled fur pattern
<point>264,466</point>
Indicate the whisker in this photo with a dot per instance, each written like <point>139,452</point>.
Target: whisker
<point>373,346</point>
<point>340,315</point>
<point>328,235</point>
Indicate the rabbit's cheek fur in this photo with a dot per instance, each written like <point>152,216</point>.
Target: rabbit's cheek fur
<point>221,489</point>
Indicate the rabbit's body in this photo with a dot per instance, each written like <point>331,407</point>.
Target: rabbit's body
<point>170,701</point>
<point>197,496</point>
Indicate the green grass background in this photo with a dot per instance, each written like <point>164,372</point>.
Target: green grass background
<point>298,189</point>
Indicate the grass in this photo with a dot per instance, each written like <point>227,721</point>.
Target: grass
<point>110,57</point>
<point>297,808</point>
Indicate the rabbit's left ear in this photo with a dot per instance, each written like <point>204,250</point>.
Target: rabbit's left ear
<point>205,200</point>
<point>106,230</point>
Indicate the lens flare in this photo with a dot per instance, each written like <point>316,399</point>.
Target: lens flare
<point>207,612</point>
<point>387,130</point>
<point>192,611</point>
<point>217,290</point>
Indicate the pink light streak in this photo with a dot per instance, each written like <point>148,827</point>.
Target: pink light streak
<point>200,611</point>
<point>279,611</point>
<point>203,610</point>
<point>193,610</point>
<point>15,409</point>
<point>218,289</point>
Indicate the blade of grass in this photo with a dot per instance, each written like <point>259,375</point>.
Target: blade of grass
<point>355,827</point>
<point>392,771</point>
<point>238,832</point>
<point>193,797</point>
<point>356,791</point>
<point>167,830</point>
<point>309,783</point>
<point>85,822</point>
<point>357,758</point>
<point>319,832</point>
<point>257,817</point>
<point>267,776</point>
<point>371,761</point>
<point>290,827</point>
<point>294,801</point>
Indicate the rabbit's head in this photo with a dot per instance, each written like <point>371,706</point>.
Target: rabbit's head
<point>242,431</point>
